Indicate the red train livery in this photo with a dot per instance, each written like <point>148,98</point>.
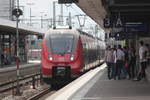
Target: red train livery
<point>66,53</point>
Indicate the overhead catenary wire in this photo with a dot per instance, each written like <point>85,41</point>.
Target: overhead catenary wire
<point>79,14</point>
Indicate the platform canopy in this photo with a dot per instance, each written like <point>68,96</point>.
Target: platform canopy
<point>9,27</point>
<point>94,9</point>
<point>128,10</point>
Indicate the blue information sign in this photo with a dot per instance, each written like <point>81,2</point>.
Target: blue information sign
<point>136,28</point>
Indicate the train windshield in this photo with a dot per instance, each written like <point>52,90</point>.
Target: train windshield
<point>61,44</point>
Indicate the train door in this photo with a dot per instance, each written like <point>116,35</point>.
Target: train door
<point>90,43</point>
<point>84,44</point>
<point>88,50</point>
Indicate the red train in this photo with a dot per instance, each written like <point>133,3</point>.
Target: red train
<point>66,53</point>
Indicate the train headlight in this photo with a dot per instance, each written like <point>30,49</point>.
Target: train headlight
<point>72,57</point>
<point>50,58</point>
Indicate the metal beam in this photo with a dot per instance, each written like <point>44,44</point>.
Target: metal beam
<point>131,1</point>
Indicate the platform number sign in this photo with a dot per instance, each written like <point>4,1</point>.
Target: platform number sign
<point>67,1</point>
<point>118,23</point>
<point>107,22</point>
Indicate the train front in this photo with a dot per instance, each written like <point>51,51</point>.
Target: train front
<point>61,58</point>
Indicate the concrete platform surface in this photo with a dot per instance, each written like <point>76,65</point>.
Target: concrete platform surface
<point>100,88</point>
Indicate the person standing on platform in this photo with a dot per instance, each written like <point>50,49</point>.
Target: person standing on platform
<point>109,61</point>
<point>125,69</point>
<point>148,55</point>
<point>2,59</point>
<point>132,62</point>
<point>114,61</point>
<point>120,56</point>
<point>143,60</point>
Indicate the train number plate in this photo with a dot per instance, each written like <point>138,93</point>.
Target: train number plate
<point>61,71</point>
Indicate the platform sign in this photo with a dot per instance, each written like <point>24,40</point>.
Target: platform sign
<point>121,36</point>
<point>110,22</point>
<point>136,28</point>
<point>119,23</point>
<point>107,22</point>
<point>112,34</point>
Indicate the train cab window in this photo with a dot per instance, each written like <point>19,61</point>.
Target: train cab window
<point>61,44</point>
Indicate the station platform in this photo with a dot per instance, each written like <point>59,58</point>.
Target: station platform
<point>23,65</point>
<point>98,87</point>
<point>8,73</point>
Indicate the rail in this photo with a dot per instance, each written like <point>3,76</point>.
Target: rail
<point>39,95</point>
<point>12,84</point>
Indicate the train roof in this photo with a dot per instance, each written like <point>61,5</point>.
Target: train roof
<point>84,33</point>
<point>70,31</point>
<point>61,30</point>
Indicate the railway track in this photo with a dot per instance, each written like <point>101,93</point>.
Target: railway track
<point>4,87</point>
<point>44,94</point>
<point>41,94</point>
<point>10,85</point>
<point>7,74</point>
